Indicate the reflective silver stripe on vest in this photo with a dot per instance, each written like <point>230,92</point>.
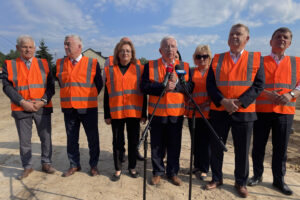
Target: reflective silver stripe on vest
<point>127,107</point>
<point>264,102</point>
<point>76,84</point>
<point>61,68</point>
<point>42,69</point>
<point>65,99</point>
<point>199,94</point>
<point>248,82</point>
<point>155,68</point>
<point>112,85</point>
<point>15,73</point>
<point>87,84</point>
<point>164,106</point>
<point>26,87</point>
<point>293,81</point>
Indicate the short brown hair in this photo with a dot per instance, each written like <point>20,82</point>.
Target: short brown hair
<point>118,49</point>
<point>283,30</point>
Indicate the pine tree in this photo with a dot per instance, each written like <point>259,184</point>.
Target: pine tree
<point>43,53</point>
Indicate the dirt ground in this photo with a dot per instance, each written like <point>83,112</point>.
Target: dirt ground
<point>81,186</point>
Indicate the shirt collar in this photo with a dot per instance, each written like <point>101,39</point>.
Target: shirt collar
<point>78,58</point>
<point>24,60</point>
<point>235,57</point>
<point>276,58</point>
<point>165,63</point>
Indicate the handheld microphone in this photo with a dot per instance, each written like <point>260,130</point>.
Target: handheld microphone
<point>180,72</point>
<point>167,76</point>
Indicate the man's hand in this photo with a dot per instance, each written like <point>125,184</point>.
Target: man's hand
<point>108,121</point>
<point>272,95</point>
<point>284,98</point>
<point>231,105</point>
<point>172,82</point>
<point>38,104</point>
<point>27,106</point>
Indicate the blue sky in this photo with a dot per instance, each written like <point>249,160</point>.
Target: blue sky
<point>101,23</point>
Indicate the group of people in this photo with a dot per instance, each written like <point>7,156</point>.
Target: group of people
<point>237,90</point>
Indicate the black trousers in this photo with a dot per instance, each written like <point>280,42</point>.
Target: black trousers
<point>90,125</point>
<point>281,125</point>
<point>201,144</point>
<point>133,131</point>
<point>166,136</point>
<point>241,134</point>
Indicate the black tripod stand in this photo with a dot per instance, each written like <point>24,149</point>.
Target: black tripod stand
<point>144,138</point>
<point>212,131</point>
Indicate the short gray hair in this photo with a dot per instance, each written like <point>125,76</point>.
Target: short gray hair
<point>168,38</point>
<point>23,38</point>
<point>76,37</point>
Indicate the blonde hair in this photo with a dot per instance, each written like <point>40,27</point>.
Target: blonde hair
<point>201,48</point>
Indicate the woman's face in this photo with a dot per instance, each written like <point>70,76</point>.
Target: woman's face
<point>125,54</point>
<point>202,59</point>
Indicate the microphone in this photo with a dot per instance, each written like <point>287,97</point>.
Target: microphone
<point>180,72</point>
<point>168,74</point>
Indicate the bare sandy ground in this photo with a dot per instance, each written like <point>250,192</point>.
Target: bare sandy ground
<point>80,186</point>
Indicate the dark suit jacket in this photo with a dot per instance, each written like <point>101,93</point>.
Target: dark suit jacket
<point>246,98</point>
<point>156,88</point>
<point>15,97</point>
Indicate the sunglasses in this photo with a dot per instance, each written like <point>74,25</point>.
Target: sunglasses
<point>202,56</point>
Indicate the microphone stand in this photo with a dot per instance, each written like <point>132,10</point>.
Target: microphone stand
<point>192,150</point>
<point>212,131</point>
<point>144,138</point>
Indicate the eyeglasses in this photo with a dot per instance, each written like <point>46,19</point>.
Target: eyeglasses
<point>172,47</point>
<point>202,56</point>
<point>125,51</point>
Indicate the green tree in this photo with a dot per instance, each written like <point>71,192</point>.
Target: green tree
<point>13,54</point>
<point>2,59</point>
<point>143,60</point>
<point>43,53</point>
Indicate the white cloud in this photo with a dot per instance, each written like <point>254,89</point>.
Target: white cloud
<point>202,13</point>
<point>276,11</point>
<point>132,5</point>
<point>57,14</point>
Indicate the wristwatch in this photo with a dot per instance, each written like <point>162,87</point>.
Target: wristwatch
<point>44,100</point>
<point>292,94</point>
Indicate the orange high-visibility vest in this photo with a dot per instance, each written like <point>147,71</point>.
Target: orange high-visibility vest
<point>111,61</point>
<point>172,103</point>
<point>77,87</point>
<point>285,76</point>
<point>233,79</point>
<point>31,84</point>
<point>199,93</point>
<point>125,97</point>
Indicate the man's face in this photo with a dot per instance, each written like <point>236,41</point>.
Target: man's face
<point>168,50</point>
<point>237,39</point>
<point>281,41</point>
<point>26,49</point>
<point>72,47</point>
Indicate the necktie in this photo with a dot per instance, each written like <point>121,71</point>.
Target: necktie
<point>27,63</point>
<point>74,62</point>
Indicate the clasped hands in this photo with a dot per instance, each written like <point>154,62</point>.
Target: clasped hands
<point>31,106</point>
<point>172,82</point>
<point>231,105</point>
<point>276,98</point>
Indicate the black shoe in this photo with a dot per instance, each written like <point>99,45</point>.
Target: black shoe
<point>115,177</point>
<point>139,156</point>
<point>283,188</point>
<point>133,175</point>
<point>254,180</point>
